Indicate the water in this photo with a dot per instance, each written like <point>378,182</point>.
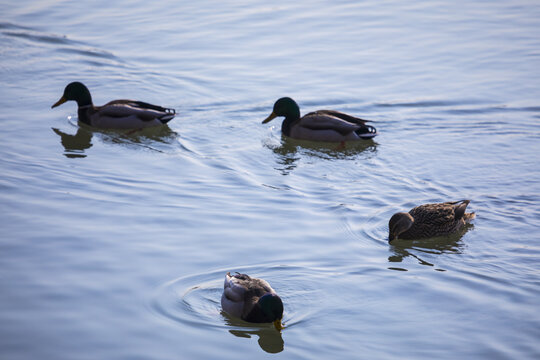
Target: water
<point>115,245</point>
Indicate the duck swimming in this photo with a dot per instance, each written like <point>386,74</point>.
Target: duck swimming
<point>252,300</point>
<point>116,114</point>
<point>320,125</point>
<point>429,220</point>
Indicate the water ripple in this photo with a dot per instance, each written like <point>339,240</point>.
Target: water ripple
<point>102,54</point>
<point>196,299</point>
<point>428,103</point>
<point>7,25</point>
<point>39,37</point>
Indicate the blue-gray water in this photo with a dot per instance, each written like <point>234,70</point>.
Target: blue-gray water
<point>115,245</point>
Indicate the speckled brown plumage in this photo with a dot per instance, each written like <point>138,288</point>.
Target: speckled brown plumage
<point>430,220</point>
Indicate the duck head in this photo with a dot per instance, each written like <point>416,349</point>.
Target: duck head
<point>272,308</point>
<point>284,107</point>
<point>399,223</point>
<point>76,91</point>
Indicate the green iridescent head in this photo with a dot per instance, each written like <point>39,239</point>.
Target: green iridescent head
<point>272,307</point>
<point>76,91</point>
<point>284,107</point>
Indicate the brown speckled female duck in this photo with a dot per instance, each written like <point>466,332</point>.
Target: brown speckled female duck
<point>429,220</point>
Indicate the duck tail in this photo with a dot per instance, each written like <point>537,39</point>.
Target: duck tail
<point>366,132</point>
<point>459,209</point>
<point>469,216</point>
<point>168,113</point>
<point>168,116</point>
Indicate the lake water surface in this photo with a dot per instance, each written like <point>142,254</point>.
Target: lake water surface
<point>115,245</point>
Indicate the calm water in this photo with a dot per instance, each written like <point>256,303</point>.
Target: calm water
<point>114,246</point>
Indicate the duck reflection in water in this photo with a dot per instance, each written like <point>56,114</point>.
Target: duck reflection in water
<point>270,340</point>
<point>450,244</point>
<point>289,151</point>
<point>75,145</point>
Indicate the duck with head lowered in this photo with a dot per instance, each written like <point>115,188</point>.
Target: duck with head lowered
<point>429,220</point>
<point>252,300</point>
<point>320,125</point>
<point>116,114</point>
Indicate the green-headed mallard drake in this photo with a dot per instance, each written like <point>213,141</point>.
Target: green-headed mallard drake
<point>429,220</point>
<point>252,300</point>
<point>116,114</point>
<point>320,125</point>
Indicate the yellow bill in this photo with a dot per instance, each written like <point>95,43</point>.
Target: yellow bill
<point>269,118</point>
<point>59,102</point>
<point>279,326</point>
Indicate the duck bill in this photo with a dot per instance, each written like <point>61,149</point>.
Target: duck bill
<point>278,325</point>
<point>270,117</point>
<point>59,102</point>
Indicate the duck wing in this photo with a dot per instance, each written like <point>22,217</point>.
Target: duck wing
<point>247,285</point>
<point>319,120</point>
<point>141,105</point>
<point>143,111</point>
<point>434,214</point>
<point>342,116</point>
<point>440,213</point>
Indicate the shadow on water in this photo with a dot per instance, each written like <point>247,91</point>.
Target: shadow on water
<point>402,249</point>
<point>290,151</point>
<point>76,144</point>
<point>270,340</point>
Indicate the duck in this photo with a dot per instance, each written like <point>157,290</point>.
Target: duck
<point>116,114</point>
<point>252,300</point>
<point>429,220</point>
<point>320,125</point>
